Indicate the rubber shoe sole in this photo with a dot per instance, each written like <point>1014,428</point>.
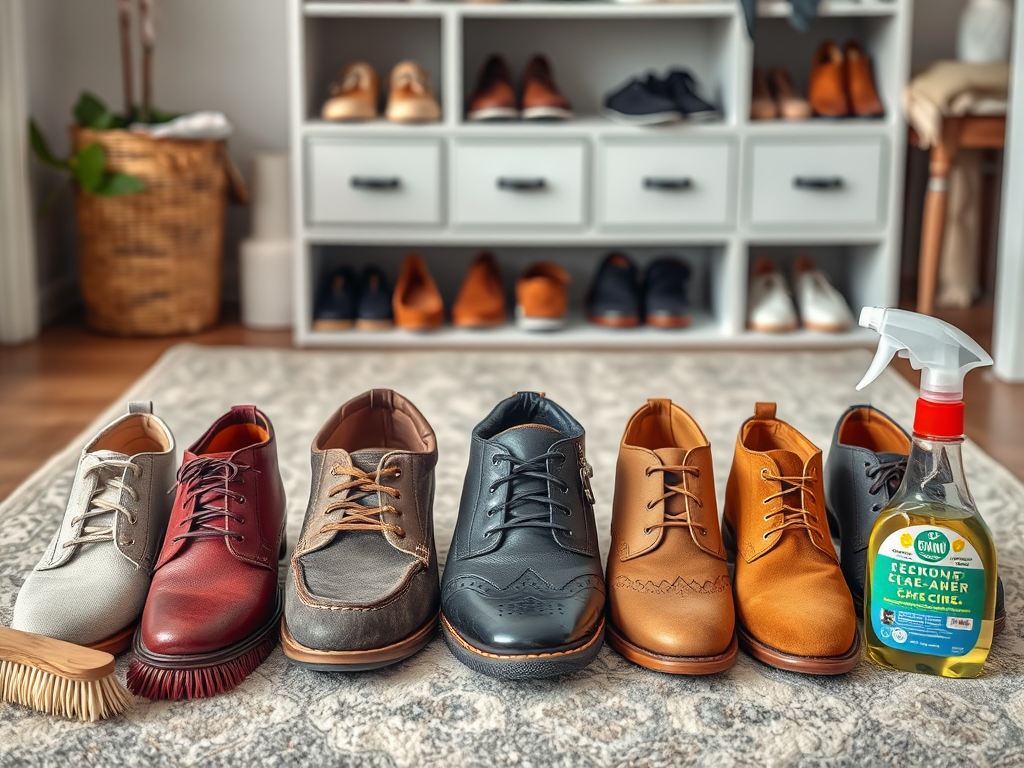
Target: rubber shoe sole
<point>355,661</point>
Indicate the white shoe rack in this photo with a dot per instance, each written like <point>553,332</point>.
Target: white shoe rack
<point>744,199</point>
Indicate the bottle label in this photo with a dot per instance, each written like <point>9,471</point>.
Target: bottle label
<point>928,592</point>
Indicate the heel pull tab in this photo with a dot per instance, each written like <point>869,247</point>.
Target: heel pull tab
<point>764,411</point>
<point>659,405</point>
<point>140,406</point>
<point>381,399</point>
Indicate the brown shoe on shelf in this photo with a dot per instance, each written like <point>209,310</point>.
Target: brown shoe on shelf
<point>542,297</point>
<point>355,94</point>
<point>762,104</point>
<point>791,105</point>
<point>794,610</point>
<point>410,99</point>
<point>417,303</point>
<point>670,604</point>
<point>494,97</point>
<point>860,83</point>
<point>541,98</point>
<point>481,301</point>
<point>826,89</point>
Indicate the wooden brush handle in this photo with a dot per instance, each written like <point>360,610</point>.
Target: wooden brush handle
<point>54,656</point>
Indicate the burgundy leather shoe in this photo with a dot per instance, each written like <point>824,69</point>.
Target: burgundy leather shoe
<point>214,605</point>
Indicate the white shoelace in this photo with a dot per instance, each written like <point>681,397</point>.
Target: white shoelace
<point>98,506</point>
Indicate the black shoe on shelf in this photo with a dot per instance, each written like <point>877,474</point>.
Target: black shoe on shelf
<point>681,88</point>
<point>636,103</point>
<point>614,298</point>
<point>665,287</point>
<point>374,308</point>
<point>335,308</point>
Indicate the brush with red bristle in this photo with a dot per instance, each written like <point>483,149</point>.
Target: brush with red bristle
<point>59,678</point>
<point>148,678</point>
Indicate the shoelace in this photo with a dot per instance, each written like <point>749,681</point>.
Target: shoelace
<point>411,80</point>
<point>99,506</point>
<point>209,477</point>
<point>886,474</point>
<point>792,517</point>
<point>678,519</point>
<point>357,516</point>
<point>523,469</point>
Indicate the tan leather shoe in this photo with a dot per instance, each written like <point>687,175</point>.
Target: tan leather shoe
<point>762,104</point>
<point>793,608</point>
<point>791,105</point>
<point>860,83</point>
<point>670,605</point>
<point>541,97</point>
<point>826,89</point>
<point>417,304</point>
<point>355,94</point>
<point>542,297</point>
<point>410,99</point>
<point>494,97</point>
<point>481,300</point>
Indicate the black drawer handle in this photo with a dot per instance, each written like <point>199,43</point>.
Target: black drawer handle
<point>667,183</point>
<point>818,182</point>
<point>522,185</point>
<point>375,182</point>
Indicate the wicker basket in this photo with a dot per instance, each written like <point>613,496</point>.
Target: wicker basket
<point>151,262</point>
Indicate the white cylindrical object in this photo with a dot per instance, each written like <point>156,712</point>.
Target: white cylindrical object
<point>266,282</point>
<point>271,204</point>
<point>985,31</point>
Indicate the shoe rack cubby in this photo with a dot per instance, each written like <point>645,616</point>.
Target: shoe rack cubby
<point>744,200</point>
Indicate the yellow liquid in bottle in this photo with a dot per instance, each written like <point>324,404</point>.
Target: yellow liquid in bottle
<point>966,526</point>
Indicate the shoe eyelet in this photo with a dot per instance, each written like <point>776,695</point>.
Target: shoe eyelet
<point>241,499</point>
<point>649,505</point>
<point>398,474</point>
<point>764,473</point>
<point>568,513</point>
<point>129,543</point>
<point>241,521</point>
<point>647,531</point>
<point>494,460</point>
<point>765,536</point>
<point>704,532</point>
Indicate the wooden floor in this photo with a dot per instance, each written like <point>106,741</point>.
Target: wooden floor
<point>52,388</point>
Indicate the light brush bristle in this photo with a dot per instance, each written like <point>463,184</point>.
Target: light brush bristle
<point>86,700</point>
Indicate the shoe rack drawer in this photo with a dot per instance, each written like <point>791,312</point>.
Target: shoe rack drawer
<point>353,181</point>
<point>508,183</point>
<point>817,184</point>
<point>667,184</point>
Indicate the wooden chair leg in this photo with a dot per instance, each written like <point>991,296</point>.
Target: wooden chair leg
<point>933,227</point>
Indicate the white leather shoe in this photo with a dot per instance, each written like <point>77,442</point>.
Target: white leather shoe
<point>90,586</point>
<point>770,307</point>
<point>822,307</point>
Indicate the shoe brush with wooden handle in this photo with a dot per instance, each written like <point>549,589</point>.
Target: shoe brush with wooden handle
<point>59,678</point>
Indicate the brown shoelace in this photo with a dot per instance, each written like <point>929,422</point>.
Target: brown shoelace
<point>792,517</point>
<point>679,519</point>
<point>206,480</point>
<point>361,517</point>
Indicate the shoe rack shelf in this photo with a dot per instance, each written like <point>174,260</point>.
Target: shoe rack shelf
<point>594,47</point>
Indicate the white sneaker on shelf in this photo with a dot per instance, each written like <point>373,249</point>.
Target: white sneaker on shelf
<point>770,305</point>
<point>822,307</point>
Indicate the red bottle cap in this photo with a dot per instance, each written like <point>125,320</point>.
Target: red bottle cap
<point>939,420</point>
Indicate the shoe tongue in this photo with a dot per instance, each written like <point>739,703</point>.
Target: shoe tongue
<point>528,440</point>
<point>368,459</point>
<point>887,457</point>
<point>790,465</point>
<point>671,457</point>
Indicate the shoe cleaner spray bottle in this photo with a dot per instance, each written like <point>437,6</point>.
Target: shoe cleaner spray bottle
<point>930,596</point>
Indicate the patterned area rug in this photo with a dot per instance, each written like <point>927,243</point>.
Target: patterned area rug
<point>431,710</point>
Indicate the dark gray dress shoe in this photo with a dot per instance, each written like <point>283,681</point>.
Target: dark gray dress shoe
<point>665,286</point>
<point>374,312</point>
<point>614,298</point>
<point>335,307</point>
<point>523,589</point>
<point>681,87</point>
<point>636,103</point>
<point>865,467</point>
<point>362,589</point>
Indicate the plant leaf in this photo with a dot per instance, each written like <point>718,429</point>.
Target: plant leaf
<point>118,183</point>
<point>42,148</point>
<point>91,112</point>
<point>90,167</point>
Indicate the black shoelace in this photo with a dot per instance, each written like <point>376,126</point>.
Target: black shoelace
<point>538,515</point>
<point>205,481</point>
<point>886,474</point>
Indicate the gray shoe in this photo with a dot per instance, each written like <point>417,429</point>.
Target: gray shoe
<point>91,584</point>
<point>363,588</point>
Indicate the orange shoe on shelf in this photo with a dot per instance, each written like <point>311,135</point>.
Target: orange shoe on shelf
<point>860,83</point>
<point>355,93</point>
<point>791,105</point>
<point>494,97</point>
<point>826,89</point>
<point>762,105</point>
<point>541,97</point>
<point>481,301</point>
<point>417,303</point>
<point>410,99</point>
<point>542,297</point>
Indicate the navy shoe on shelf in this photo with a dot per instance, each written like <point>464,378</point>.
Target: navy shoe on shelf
<point>335,308</point>
<point>665,287</point>
<point>374,308</point>
<point>636,103</point>
<point>681,88</point>
<point>614,298</point>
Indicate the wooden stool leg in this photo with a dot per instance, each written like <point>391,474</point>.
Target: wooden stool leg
<point>933,225</point>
